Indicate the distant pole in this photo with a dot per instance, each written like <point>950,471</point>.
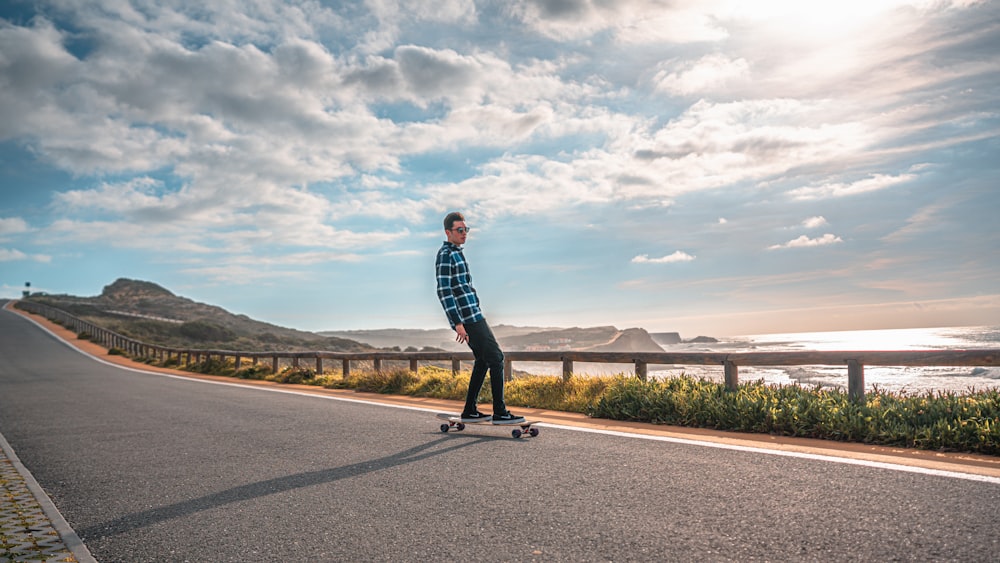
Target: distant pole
<point>27,290</point>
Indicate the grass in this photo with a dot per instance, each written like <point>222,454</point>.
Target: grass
<point>943,421</point>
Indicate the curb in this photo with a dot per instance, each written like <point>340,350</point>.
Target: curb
<point>31,523</point>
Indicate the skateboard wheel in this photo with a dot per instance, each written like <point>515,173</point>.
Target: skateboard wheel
<point>460,426</point>
<point>533,432</point>
<point>515,433</point>
<point>444,428</point>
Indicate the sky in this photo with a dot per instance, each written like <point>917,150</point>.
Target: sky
<point>711,167</point>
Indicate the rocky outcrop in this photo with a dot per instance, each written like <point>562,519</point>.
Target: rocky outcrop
<point>629,340</point>
<point>702,340</point>
<point>124,289</point>
<point>667,338</point>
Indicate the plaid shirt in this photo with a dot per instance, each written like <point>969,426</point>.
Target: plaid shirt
<point>454,286</point>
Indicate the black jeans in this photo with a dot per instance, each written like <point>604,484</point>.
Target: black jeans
<point>488,357</point>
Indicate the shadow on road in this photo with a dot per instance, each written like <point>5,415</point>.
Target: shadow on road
<point>269,487</point>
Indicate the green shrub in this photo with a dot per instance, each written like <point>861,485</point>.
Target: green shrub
<point>293,375</point>
<point>438,383</point>
<point>578,394</point>
<point>390,381</point>
<point>259,371</point>
<point>213,366</point>
<point>928,421</point>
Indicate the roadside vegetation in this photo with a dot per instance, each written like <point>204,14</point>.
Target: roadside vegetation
<point>935,421</point>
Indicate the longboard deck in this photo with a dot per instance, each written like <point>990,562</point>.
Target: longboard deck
<point>518,428</point>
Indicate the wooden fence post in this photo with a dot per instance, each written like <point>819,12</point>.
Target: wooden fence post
<point>641,369</point>
<point>508,370</point>
<point>377,364</point>
<point>414,365</point>
<point>855,380</point>
<point>732,373</point>
<point>319,365</point>
<point>274,364</point>
<point>567,369</point>
<point>346,367</point>
<point>456,366</point>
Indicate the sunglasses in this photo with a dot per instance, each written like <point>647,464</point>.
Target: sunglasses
<point>462,230</point>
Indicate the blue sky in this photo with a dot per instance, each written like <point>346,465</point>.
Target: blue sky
<point>708,167</point>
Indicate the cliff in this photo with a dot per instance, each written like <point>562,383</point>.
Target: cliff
<point>629,340</point>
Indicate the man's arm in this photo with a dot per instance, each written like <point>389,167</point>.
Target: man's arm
<point>444,278</point>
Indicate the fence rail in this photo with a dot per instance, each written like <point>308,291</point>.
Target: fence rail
<point>855,361</point>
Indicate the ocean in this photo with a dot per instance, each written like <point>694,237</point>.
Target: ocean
<point>901,379</point>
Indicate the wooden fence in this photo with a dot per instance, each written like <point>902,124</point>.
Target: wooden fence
<point>855,361</point>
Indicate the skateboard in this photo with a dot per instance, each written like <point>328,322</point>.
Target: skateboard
<point>455,423</point>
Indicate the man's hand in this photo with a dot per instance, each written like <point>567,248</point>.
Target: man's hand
<point>461,335</point>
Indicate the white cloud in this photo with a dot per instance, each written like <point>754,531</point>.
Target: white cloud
<point>8,255</point>
<point>430,74</point>
<point>806,242</point>
<point>711,145</point>
<point>815,222</point>
<point>630,21</point>
<point>131,195</point>
<point>394,15</point>
<point>924,220</point>
<point>13,254</point>
<point>237,275</point>
<point>699,77</point>
<point>834,190</point>
<point>13,226</point>
<point>678,256</point>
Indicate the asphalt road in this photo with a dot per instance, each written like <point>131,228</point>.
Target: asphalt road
<point>152,468</point>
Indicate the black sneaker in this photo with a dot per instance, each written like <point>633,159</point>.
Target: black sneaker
<point>508,418</point>
<point>476,417</point>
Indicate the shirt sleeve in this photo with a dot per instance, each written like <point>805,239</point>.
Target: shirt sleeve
<point>445,275</point>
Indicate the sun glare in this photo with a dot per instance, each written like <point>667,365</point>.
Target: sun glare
<point>891,339</point>
<point>816,20</point>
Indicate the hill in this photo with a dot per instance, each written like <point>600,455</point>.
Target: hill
<point>148,312</point>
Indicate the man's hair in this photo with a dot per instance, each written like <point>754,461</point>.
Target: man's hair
<point>452,218</point>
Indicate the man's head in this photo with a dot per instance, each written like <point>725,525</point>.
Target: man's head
<point>455,229</point>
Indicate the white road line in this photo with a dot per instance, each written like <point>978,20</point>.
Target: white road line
<point>686,441</point>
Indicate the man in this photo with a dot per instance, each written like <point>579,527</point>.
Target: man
<point>461,305</point>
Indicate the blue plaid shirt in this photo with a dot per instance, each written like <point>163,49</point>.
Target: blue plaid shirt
<point>454,286</point>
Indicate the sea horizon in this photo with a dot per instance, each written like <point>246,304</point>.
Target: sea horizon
<point>890,378</point>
